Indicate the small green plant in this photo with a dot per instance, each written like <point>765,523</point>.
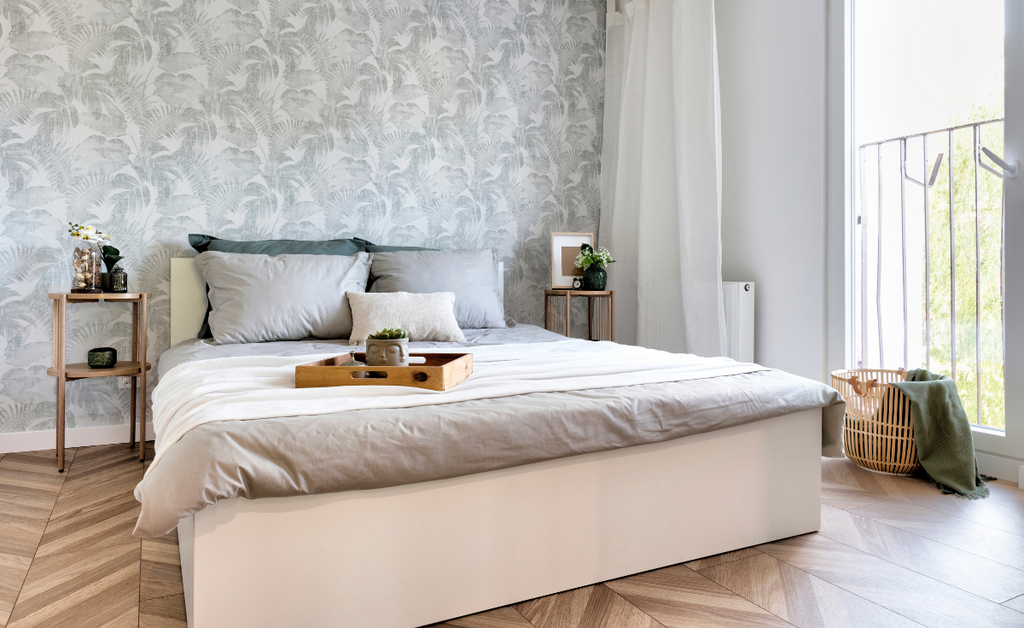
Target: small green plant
<point>111,256</point>
<point>589,256</point>
<point>389,334</point>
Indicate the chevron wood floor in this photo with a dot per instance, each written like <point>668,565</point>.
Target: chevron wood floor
<point>67,554</point>
<point>892,552</point>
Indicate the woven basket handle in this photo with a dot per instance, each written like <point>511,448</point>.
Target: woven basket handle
<point>859,388</point>
<point>856,384</point>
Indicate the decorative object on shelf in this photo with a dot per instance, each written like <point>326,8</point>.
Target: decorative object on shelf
<point>564,249</point>
<point>86,260</point>
<point>111,256</point>
<point>595,278</point>
<point>102,358</point>
<point>577,283</point>
<point>118,280</point>
<point>86,264</point>
<point>593,262</point>
<point>388,347</point>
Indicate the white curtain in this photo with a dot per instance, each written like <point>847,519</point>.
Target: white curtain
<point>661,175</point>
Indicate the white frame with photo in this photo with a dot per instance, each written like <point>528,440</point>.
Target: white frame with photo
<point>559,241</point>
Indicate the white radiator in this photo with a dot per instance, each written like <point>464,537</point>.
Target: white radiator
<point>739,319</point>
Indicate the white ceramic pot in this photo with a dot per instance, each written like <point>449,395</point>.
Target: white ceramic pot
<point>390,352</point>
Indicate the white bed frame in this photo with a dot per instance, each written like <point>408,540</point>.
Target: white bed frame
<point>411,555</point>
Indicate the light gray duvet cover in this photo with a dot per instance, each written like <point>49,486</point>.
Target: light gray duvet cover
<point>368,449</point>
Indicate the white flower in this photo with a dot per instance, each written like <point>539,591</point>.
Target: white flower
<point>88,233</point>
<point>591,256</point>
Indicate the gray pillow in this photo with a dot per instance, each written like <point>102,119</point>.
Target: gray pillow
<point>261,298</point>
<point>387,248</point>
<point>202,243</point>
<point>469,274</point>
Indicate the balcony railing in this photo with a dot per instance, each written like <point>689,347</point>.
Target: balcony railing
<point>928,260</point>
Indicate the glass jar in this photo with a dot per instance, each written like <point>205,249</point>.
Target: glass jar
<point>119,280</point>
<point>85,262</point>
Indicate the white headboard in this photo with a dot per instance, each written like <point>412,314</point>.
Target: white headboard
<point>188,297</point>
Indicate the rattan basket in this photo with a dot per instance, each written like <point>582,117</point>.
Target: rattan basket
<point>877,429</point>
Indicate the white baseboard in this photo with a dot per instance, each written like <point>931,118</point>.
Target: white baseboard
<point>74,437</point>
<point>1020,477</point>
<point>1004,468</point>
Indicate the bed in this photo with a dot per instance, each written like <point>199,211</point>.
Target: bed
<point>372,519</point>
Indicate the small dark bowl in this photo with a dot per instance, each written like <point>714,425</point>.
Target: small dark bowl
<point>102,358</point>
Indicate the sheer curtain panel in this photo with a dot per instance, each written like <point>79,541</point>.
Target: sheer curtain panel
<point>661,175</point>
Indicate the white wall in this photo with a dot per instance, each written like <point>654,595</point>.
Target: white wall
<point>772,59</point>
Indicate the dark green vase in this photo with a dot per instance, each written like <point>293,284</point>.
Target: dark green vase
<point>595,278</point>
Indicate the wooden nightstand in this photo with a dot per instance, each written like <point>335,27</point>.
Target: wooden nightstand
<point>600,315</point>
<point>135,368</point>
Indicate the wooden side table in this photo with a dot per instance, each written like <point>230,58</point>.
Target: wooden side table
<point>600,315</point>
<point>135,368</point>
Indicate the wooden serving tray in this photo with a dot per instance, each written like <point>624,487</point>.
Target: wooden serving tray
<point>441,371</point>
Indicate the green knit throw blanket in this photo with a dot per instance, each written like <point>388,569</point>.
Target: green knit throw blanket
<point>945,445</point>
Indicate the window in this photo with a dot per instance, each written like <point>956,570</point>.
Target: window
<point>926,229</point>
<point>928,233</point>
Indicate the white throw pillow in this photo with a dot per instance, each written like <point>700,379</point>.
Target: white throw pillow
<point>261,298</point>
<point>429,316</point>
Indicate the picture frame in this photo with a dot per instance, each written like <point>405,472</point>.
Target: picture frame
<point>564,249</point>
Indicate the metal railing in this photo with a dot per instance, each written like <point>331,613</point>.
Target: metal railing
<point>927,153</point>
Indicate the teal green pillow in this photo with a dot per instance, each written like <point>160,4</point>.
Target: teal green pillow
<point>202,243</point>
<point>345,246</point>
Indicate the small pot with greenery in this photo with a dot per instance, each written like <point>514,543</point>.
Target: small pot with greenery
<point>593,262</point>
<point>110,256</point>
<point>388,347</point>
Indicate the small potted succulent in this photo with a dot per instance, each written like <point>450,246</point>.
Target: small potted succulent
<point>388,347</point>
<point>593,262</point>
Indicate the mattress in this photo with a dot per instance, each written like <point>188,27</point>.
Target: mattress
<point>374,448</point>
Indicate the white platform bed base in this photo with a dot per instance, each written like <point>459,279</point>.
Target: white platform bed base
<point>413,555</point>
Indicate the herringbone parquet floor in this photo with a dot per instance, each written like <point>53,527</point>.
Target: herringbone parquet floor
<point>67,554</point>
<point>892,552</point>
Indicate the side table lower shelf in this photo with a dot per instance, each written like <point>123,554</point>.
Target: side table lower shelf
<point>81,370</point>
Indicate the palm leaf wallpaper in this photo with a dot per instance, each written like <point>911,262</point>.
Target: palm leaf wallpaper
<point>446,123</point>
